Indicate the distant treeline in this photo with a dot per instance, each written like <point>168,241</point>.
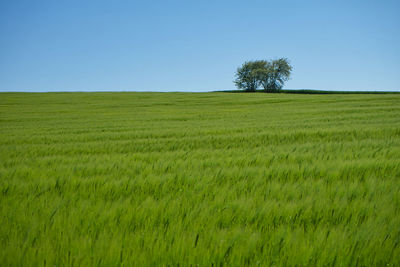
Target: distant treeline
<point>314,92</point>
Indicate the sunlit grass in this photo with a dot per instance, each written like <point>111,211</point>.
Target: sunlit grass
<point>207,178</point>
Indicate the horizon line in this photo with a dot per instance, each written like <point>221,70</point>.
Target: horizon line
<point>211,91</point>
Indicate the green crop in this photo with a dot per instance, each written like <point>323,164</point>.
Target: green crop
<point>199,179</point>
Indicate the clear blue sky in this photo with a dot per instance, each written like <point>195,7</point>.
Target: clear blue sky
<point>196,45</point>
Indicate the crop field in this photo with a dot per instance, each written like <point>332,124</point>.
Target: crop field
<point>139,179</point>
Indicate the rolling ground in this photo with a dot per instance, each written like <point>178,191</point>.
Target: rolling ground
<point>199,178</point>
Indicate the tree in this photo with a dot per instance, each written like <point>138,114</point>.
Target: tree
<point>276,73</point>
<point>247,76</point>
<point>270,75</point>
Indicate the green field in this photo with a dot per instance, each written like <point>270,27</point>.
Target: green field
<point>199,179</point>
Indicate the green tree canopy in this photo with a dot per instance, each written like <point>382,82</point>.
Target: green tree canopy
<point>271,75</point>
<point>247,76</point>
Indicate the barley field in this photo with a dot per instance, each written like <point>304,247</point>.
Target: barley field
<point>200,179</point>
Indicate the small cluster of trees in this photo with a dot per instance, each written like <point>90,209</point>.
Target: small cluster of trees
<point>270,75</point>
